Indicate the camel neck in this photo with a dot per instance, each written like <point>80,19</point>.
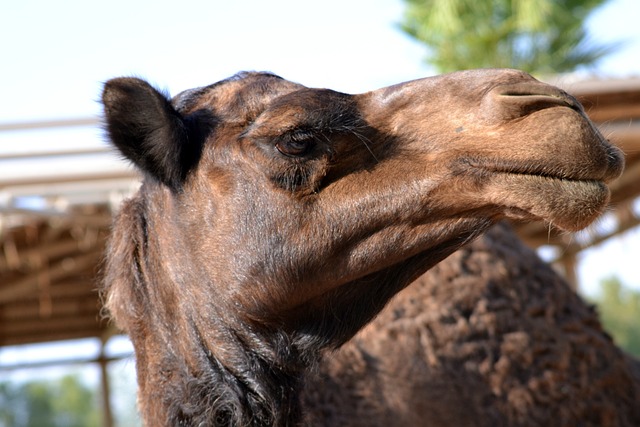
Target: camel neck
<point>262,375</point>
<point>199,364</point>
<point>221,378</point>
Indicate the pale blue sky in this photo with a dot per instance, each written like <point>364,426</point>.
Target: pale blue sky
<point>54,55</point>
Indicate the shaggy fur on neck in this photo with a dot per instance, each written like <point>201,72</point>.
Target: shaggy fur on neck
<point>252,392</point>
<point>211,372</point>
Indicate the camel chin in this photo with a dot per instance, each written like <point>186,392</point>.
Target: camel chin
<point>568,205</point>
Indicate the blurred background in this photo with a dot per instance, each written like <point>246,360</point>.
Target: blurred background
<point>60,183</point>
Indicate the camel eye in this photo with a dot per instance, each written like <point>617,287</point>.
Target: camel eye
<point>297,143</point>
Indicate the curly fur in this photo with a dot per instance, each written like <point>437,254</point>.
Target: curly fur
<point>491,336</point>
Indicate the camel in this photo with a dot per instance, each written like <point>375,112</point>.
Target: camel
<point>275,221</point>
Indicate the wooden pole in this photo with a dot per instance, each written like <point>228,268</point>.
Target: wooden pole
<point>107,418</point>
<point>569,266</point>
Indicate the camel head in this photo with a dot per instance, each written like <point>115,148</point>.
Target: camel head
<point>269,206</point>
<point>289,199</point>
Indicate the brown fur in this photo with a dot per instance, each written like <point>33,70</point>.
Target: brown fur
<point>490,337</point>
<point>275,220</point>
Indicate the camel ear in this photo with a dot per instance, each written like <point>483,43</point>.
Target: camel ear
<point>144,126</point>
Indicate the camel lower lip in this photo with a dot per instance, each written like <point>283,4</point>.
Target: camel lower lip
<point>568,204</point>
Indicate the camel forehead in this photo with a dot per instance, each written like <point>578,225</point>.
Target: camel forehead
<point>239,98</point>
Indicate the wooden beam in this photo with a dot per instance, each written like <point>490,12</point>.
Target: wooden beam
<point>72,289</point>
<point>58,153</point>
<point>70,323</point>
<point>62,179</point>
<point>56,249</point>
<point>44,335</point>
<point>613,112</point>
<point>29,285</point>
<point>48,124</point>
<point>62,362</point>
<point>60,292</point>
<point>78,305</point>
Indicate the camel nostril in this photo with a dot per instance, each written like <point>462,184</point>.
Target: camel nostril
<point>534,102</point>
<point>520,99</point>
<point>538,96</point>
<point>532,89</point>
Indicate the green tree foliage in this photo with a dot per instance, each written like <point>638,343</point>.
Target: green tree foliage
<point>619,308</point>
<point>63,403</point>
<point>538,36</point>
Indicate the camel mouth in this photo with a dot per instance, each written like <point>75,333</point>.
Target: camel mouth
<point>570,200</point>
